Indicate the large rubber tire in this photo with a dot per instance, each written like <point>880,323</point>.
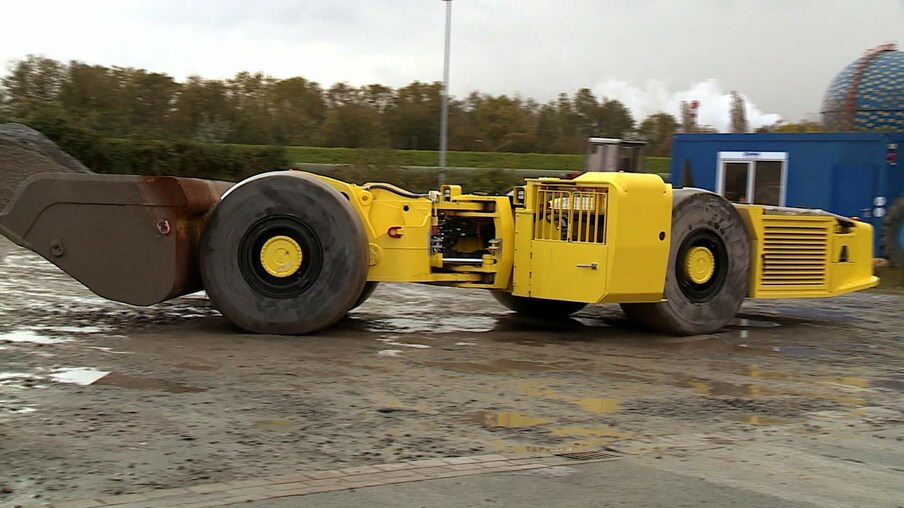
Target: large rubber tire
<point>892,240</point>
<point>333,266</point>
<point>368,290</point>
<point>540,308</point>
<point>706,220</point>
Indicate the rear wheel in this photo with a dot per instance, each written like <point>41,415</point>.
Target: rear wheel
<point>540,308</point>
<point>893,233</point>
<point>708,266</point>
<point>284,254</point>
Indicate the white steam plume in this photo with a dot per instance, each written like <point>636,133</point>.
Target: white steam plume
<point>655,97</point>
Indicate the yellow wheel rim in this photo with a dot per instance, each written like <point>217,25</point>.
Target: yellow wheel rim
<point>699,264</point>
<point>281,256</point>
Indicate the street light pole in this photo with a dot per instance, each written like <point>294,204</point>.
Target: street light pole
<point>444,119</point>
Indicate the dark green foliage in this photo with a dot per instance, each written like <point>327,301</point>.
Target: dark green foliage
<point>657,130</point>
<point>184,158</point>
<point>155,157</point>
<point>82,144</point>
<point>552,161</point>
<point>126,120</point>
<point>253,108</point>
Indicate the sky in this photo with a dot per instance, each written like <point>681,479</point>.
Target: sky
<point>780,55</point>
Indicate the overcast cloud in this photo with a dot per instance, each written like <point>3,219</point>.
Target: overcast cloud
<point>779,54</point>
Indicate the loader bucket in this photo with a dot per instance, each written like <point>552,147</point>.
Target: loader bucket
<point>132,239</point>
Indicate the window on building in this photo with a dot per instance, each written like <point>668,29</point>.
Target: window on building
<point>752,177</point>
<point>735,188</point>
<point>767,186</point>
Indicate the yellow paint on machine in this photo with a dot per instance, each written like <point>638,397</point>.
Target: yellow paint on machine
<point>800,255</point>
<point>600,238</point>
<point>603,237</point>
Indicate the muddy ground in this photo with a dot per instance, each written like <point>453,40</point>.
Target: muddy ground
<point>98,398</point>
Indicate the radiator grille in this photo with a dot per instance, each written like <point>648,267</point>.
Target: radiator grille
<point>795,252</point>
<point>570,214</point>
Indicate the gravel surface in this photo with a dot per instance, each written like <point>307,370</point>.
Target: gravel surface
<point>99,398</point>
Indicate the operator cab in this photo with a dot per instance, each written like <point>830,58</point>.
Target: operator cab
<point>612,155</point>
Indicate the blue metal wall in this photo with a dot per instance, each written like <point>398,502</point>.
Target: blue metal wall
<point>838,172</point>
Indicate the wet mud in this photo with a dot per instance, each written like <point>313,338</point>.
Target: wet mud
<point>99,398</point>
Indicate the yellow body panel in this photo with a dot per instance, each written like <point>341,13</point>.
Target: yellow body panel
<point>568,271</point>
<point>603,237</point>
<point>399,226</point>
<point>600,238</point>
<point>800,253</point>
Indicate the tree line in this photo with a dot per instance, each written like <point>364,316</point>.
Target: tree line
<point>252,108</point>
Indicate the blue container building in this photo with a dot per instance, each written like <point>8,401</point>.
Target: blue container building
<point>855,174</point>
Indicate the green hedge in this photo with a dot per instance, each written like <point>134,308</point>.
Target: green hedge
<point>320,155</point>
<point>181,158</point>
<point>496,171</point>
<point>498,160</point>
<point>153,157</point>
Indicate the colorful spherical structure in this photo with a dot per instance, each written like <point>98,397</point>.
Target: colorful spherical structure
<point>867,95</point>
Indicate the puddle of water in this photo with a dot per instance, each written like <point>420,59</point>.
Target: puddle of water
<point>707,344</point>
<point>391,342</point>
<point>798,351</point>
<point>14,378</point>
<point>508,419</point>
<point>745,325</point>
<point>70,329</point>
<point>816,313</point>
<point>841,387</point>
<point>143,383</point>
<point>79,375</point>
<point>13,375</point>
<point>591,322</point>
<point>427,323</point>
<point>10,406</point>
<point>768,350</point>
<point>109,350</point>
<point>708,388</point>
<point>389,352</point>
<point>493,367</point>
<point>752,323</point>
<point>30,337</point>
<point>857,382</point>
<point>594,405</point>
<point>599,406</point>
<point>760,421</point>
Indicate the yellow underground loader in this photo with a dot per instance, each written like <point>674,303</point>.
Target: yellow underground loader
<point>289,252</point>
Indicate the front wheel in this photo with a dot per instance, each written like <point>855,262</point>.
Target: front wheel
<point>284,254</point>
<point>708,268</point>
<point>893,233</point>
